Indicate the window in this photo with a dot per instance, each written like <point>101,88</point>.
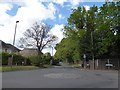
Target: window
<point>5,50</point>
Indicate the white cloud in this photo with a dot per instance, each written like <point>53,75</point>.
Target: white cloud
<point>61,2</point>
<point>51,50</point>
<point>27,14</point>
<point>75,3</point>
<point>57,31</point>
<point>52,8</point>
<point>5,21</point>
<point>60,16</point>
<point>87,7</point>
<point>3,15</point>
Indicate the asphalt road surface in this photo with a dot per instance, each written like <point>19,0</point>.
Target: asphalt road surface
<point>60,77</point>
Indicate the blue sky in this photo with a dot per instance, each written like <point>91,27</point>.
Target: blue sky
<point>53,12</point>
<point>64,11</point>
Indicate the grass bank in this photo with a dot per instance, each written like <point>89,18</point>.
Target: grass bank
<point>16,68</point>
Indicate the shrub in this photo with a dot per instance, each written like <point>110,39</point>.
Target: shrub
<point>35,60</point>
<point>47,58</point>
<point>41,60</point>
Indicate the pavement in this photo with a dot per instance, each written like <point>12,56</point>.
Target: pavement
<point>60,77</point>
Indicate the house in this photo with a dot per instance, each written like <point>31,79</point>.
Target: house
<point>5,47</point>
<point>26,52</point>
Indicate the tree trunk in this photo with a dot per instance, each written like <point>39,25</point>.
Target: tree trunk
<point>41,64</point>
<point>39,51</point>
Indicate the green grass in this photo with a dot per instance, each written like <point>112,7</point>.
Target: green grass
<point>16,68</point>
<point>47,66</point>
<point>76,66</point>
<point>0,69</point>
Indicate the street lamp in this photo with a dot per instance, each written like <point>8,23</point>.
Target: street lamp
<point>15,32</point>
<point>14,41</point>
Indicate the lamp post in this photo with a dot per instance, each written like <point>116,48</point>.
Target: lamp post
<point>14,41</point>
<point>15,32</point>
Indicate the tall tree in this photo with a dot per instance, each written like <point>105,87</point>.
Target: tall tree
<point>107,21</point>
<point>38,36</point>
<point>97,31</point>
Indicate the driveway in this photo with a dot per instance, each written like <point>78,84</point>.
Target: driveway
<point>60,77</point>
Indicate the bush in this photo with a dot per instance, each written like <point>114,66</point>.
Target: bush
<point>40,60</point>
<point>37,60</point>
<point>47,58</point>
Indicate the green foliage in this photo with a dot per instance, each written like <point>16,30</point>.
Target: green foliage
<point>5,57</point>
<point>16,58</point>
<point>67,50</point>
<point>41,59</point>
<point>36,60</point>
<point>47,58</point>
<point>16,68</point>
<point>95,32</point>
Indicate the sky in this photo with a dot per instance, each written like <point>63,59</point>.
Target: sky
<point>27,12</point>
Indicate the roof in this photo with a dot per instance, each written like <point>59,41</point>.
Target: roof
<point>30,49</point>
<point>6,45</point>
<point>3,44</point>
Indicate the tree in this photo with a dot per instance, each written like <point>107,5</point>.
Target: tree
<point>48,58</point>
<point>38,36</point>
<point>64,50</point>
<point>106,27</point>
<point>94,32</point>
<point>68,49</point>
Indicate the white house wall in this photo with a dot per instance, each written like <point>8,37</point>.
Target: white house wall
<point>0,46</point>
<point>6,50</point>
<point>0,49</point>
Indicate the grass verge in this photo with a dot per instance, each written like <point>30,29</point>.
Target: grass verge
<point>47,66</point>
<point>16,68</point>
<point>76,66</point>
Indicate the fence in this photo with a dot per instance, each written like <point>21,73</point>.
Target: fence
<point>105,64</point>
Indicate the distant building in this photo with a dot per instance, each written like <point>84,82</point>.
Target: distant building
<point>26,52</point>
<point>5,47</point>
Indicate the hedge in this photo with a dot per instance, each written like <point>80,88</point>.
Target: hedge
<point>17,58</point>
<point>5,57</point>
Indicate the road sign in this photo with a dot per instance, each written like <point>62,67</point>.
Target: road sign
<point>84,56</point>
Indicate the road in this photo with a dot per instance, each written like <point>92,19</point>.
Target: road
<point>60,77</point>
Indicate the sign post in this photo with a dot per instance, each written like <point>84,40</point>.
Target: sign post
<point>84,56</point>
